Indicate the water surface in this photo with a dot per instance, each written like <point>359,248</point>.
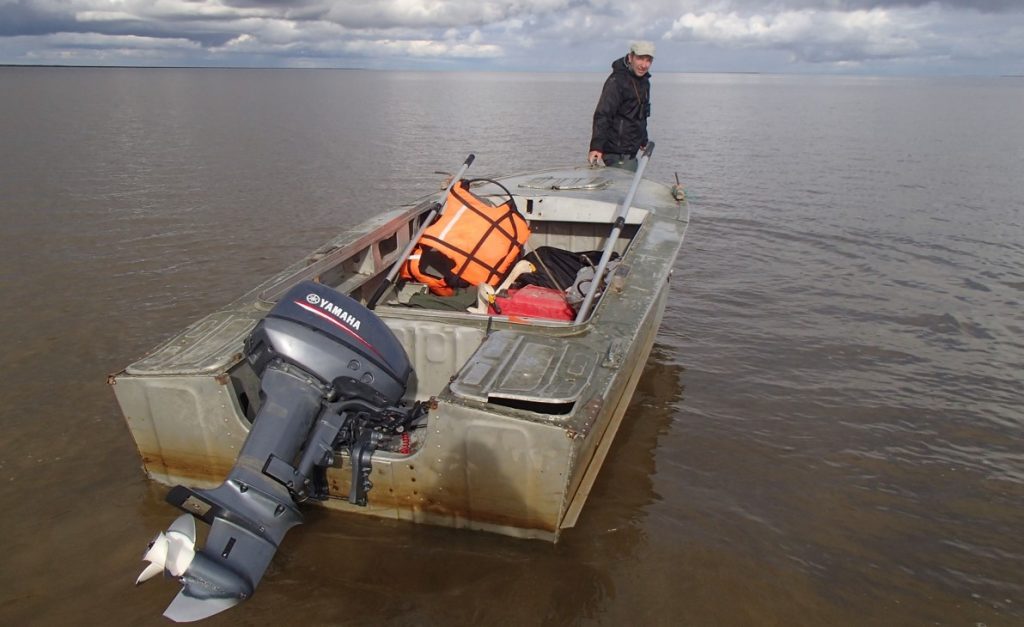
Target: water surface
<point>828,430</point>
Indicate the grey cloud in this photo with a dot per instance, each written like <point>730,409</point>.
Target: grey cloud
<point>262,4</point>
<point>983,6</point>
<point>567,34</point>
<point>24,18</point>
<point>298,10</point>
<point>18,22</point>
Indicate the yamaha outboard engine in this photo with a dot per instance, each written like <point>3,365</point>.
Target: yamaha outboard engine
<point>332,376</point>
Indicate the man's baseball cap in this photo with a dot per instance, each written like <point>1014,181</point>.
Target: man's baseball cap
<point>642,48</point>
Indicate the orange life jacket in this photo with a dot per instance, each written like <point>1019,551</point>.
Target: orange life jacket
<point>482,241</point>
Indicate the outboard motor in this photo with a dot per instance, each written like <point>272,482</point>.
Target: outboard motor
<point>332,376</point>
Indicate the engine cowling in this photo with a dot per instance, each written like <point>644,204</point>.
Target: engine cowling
<point>330,335</point>
<point>332,376</point>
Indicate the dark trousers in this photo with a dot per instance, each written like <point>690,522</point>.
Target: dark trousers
<point>626,162</point>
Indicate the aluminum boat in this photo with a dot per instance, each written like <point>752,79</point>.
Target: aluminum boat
<point>501,424</point>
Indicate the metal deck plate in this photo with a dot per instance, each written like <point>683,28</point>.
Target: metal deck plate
<point>518,367</point>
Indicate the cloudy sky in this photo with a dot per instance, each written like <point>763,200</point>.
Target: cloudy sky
<point>929,37</point>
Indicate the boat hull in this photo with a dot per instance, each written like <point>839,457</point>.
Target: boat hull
<point>524,412</point>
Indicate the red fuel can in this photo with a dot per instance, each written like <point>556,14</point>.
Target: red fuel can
<point>533,301</point>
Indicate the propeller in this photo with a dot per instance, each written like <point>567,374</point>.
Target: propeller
<point>172,551</point>
<point>208,587</point>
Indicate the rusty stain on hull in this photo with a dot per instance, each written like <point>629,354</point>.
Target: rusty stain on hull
<point>185,466</point>
<point>388,502</point>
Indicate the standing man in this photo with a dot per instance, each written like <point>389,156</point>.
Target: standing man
<point>620,119</point>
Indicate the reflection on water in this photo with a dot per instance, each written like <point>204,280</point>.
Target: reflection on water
<point>845,318</point>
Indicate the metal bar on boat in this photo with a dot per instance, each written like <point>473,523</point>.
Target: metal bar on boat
<point>620,220</point>
<point>434,212</point>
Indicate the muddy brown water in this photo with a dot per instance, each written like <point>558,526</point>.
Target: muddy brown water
<point>828,430</point>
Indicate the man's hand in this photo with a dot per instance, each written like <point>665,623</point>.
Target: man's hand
<point>596,157</point>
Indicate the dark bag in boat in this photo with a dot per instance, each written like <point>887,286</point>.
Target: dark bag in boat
<point>556,267</point>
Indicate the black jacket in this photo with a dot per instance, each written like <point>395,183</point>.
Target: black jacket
<point>620,119</point>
